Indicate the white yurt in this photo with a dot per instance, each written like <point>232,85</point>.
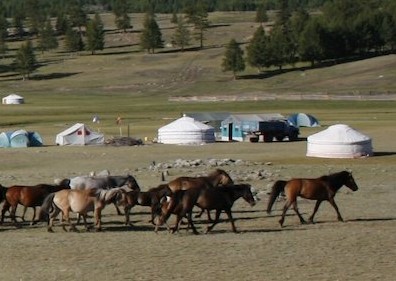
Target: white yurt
<point>339,141</point>
<point>186,130</point>
<point>13,99</point>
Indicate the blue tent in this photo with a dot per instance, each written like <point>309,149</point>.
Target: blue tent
<point>303,120</point>
<point>20,138</point>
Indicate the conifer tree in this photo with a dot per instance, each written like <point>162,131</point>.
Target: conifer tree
<point>25,60</point>
<point>47,39</point>
<point>181,37</point>
<point>95,34</point>
<point>151,36</point>
<point>233,58</point>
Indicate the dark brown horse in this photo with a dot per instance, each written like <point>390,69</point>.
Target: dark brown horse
<point>320,189</point>
<point>28,196</point>
<point>216,178</point>
<point>151,198</point>
<point>220,199</point>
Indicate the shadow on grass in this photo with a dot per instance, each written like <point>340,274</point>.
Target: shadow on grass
<point>52,76</point>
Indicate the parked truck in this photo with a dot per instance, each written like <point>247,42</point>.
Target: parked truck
<point>278,129</point>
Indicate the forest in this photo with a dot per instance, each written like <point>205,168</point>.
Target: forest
<point>307,31</point>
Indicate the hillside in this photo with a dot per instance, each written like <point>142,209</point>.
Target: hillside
<point>123,68</point>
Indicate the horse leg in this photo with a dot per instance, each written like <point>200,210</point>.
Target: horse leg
<point>118,209</point>
<point>232,221</point>
<point>34,215</point>
<point>12,214</point>
<point>24,213</point>
<point>285,208</point>
<point>98,217</point>
<point>66,217</point>
<point>6,207</point>
<point>298,213</point>
<point>216,220</point>
<point>190,222</point>
<point>127,210</point>
<point>54,214</point>
<point>332,202</point>
<point>318,202</point>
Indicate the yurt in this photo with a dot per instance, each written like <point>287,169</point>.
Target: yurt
<point>186,130</point>
<point>339,141</point>
<point>303,120</point>
<point>79,134</point>
<point>13,99</point>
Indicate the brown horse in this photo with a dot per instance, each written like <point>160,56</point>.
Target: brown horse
<point>151,198</point>
<point>320,189</point>
<point>28,196</point>
<point>78,201</point>
<point>216,178</point>
<point>220,199</point>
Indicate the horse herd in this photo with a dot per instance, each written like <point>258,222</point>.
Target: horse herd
<point>216,191</point>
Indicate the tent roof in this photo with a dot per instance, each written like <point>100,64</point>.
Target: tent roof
<point>303,120</point>
<point>185,124</point>
<point>13,96</point>
<point>339,134</point>
<point>72,129</point>
<point>256,117</point>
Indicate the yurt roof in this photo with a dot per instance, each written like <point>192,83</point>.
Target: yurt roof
<point>185,123</point>
<point>13,96</point>
<point>339,133</point>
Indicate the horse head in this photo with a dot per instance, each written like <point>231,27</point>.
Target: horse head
<point>248,194</point>
<point>350,181</point>
<point>132,183</point>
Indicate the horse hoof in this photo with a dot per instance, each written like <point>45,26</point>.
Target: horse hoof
<point>50,230</point>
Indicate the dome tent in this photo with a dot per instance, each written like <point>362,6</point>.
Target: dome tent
<point>339,141</point>
<point>186,130</point>
<point>303,120</point>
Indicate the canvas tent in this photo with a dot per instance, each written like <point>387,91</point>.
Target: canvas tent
<point>303,120</point>
<point>79,134</point>
<point>20,138</point>
<point>186,130</point>
<point>13,99</point>
<point>339,141</point>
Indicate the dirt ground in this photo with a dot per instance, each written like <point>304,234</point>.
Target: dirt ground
<point>361,248</point>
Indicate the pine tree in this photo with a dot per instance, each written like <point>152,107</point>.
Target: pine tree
<point>25,60</point>
<point>258,53</point>
<point>181,37</point>
<point>47,39</point>
<point>95,34</point>
<point>122,19</point>
<point>233,58</point>
<point>73,41</point>
<point>198,15</point>
<point>151,36</point>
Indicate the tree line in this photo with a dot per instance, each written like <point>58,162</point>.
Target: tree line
<point>337,30</point>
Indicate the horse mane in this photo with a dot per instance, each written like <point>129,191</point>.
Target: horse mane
<point>336,180</point>
<point>108,195</point>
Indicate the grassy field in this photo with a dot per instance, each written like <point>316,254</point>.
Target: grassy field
<point>123,81</point>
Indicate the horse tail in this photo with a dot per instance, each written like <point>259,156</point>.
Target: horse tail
<point>3,191</point>
<point>277,188</point>
<point>47,207</point>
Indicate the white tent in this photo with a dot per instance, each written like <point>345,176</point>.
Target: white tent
<point>13,99</point>
<point>79,134</point>
<point>186,130</point>
<point>303,120</point>
<point>339,141</point>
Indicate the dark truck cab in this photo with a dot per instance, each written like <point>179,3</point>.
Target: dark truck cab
<point>278,129</point>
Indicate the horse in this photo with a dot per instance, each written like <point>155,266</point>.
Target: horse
<point>104,182</point>
<point>220,199</point>
<point>28,196</point>
<point>79,201</point>
<point>216,178</point>
<point>320,189</point>
<point>151,198</point>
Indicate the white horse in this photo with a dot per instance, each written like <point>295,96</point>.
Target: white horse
<point>80,201</point>
<point>104,182</point>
